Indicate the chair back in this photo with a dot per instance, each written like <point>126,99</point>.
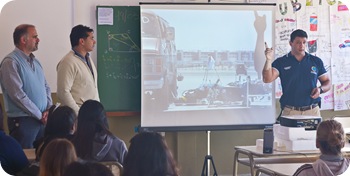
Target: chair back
<point>114,166</point>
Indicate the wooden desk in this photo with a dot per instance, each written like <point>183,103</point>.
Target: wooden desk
<point>286,169</point>
<point>30,153</point>
<point>254,157</point>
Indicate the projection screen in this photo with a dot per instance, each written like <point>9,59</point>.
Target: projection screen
<point>201,66</point>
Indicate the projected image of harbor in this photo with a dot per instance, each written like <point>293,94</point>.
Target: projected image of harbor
<point>204,59</point>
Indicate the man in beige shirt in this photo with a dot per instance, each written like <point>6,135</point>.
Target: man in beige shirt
<point>76,72</point>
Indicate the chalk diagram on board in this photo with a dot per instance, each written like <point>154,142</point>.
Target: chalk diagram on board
<point>122,43</point>
<point>121,58</point>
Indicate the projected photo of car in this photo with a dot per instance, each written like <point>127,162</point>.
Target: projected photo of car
<point>159,60</point>
<point>187,67</point>
<point>201,66</point>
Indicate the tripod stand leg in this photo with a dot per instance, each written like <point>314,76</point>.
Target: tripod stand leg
<point>212,162</point>
<point>205,166</point>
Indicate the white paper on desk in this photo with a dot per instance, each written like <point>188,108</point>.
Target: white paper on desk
<point>105,16</point>
<point>347,131</point>
<point>2,172</point>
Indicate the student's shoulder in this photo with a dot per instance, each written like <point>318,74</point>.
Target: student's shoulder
<point>8,140</point>
<point>302,170</point>
<point>116,140</point>
<point>31,170</point>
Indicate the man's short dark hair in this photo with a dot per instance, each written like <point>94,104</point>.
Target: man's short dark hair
<point>79,32</point>
<point>20,31</point>
<point>297,33</point>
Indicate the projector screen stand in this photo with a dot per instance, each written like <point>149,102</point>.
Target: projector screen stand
<point>208,159</point>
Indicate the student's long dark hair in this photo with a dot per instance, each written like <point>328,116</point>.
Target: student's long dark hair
<point>60,121</point>
<point>91,121</point>
<point>60,124</point>
<point>149,155</point>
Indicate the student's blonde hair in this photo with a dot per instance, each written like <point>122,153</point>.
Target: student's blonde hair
<point>57,155</point>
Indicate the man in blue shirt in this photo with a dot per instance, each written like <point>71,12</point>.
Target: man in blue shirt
<point>27,95</point>
<point>299,72</point>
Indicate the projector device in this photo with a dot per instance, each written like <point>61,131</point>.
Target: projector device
<point>308,122</point>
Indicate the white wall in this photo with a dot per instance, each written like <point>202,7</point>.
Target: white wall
<point>53,20</point>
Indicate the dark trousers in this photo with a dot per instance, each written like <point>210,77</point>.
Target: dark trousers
<point>2,122</point>
<point>25,130</point>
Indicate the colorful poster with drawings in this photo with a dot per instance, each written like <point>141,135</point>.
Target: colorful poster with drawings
<point>340,42</point>
<point>327,100</point>
<point>285,24</point>
<point>341,96</point>
<point>313,18</point>
<point>340,29</point>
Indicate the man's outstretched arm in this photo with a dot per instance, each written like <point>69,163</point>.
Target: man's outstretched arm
<point>269,74</point>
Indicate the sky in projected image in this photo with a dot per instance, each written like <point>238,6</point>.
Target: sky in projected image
<point>215,30</point>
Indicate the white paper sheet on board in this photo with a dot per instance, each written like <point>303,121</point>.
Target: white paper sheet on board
<point>105,16</point>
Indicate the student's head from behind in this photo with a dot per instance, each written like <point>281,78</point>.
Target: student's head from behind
<point>92,116</point>
<point>57,155</point>
<point>87,169</point>
<point>61,121</point>
<point>92,120</point>
<point>78,33</point>
<point>298,33</point>
<point>149,155</point>
<point>330,138</point>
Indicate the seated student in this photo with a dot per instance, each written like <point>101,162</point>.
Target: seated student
<point>330,139</point>
<point>61,123</point>
<point>93,141</point>
<point>87,169</point>
<point>149,155</point>
<point>12,157</point>
<point>57,155</point>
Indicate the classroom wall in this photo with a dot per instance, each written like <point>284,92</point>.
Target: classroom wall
<point>55,19</point>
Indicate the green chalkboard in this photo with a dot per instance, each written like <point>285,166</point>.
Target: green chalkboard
<point>119,57</point>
